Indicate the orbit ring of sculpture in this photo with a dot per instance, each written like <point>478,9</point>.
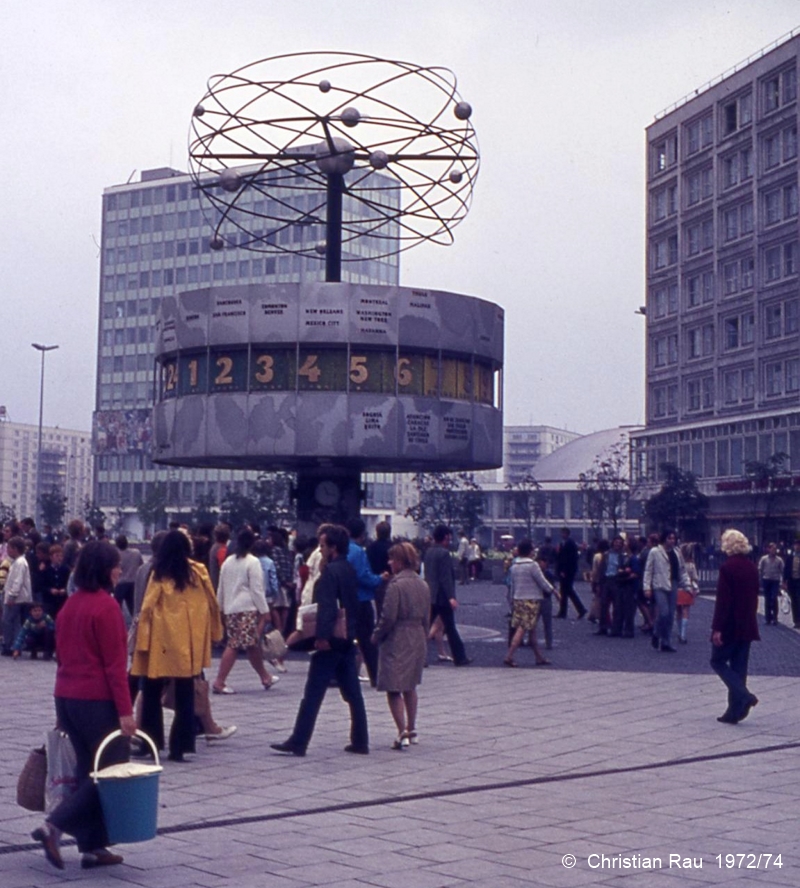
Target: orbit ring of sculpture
<point>263,151</point>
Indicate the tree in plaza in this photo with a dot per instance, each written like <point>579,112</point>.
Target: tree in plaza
<point>93,515</point>
<point>770,488</point>
<point>205,510</point>
<point>238,508</point>
<point>527,501</point>
<point>52,506</point>
<point>273,495</point>
<point>607,486</point>
<point>152,510</point>
<point>680,504</point>
<point>451,498</point>
<point>267,501</point>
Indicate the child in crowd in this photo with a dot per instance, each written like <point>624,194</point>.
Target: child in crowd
<point>38,633</point>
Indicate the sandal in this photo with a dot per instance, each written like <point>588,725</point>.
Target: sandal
<point>268,684</point>
<point>543,662</point>
<point>507,662</point>
<point>225,689</point>
<point>402,741</point>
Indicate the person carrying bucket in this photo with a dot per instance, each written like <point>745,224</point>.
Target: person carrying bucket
<point>92,700</point>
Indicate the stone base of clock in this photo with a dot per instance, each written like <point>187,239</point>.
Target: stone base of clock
<point>331,494</point>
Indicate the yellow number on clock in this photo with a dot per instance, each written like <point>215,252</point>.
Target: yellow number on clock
<point>310,370</point>
<point>358,369</point>
<point>225,365</point>
<point>267,373</point>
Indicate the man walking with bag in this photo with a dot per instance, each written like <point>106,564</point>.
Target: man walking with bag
<point>333,658</point>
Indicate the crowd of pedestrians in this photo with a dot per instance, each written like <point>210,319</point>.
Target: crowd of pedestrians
<point>132,636</point>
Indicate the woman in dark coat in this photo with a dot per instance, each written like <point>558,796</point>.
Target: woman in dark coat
<point>735,625</point>
<point>402,634</point>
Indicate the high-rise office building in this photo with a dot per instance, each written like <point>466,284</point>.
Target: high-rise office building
<point>66,467</point>
<point>723,294</point>
<point>524,446</point>
<point>156,243</point>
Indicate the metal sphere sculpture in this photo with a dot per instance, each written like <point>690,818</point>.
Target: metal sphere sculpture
<point>276,143</point>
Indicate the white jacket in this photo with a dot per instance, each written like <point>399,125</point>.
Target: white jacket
<point>18,583</point>
<point>657,571</point>
<point>241,585</point>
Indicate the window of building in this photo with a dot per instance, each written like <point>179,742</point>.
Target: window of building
<point>730,277</point>
<point>772,94</point>
<point>693,242</point>
<point>748,328</point>
<point>790,258</point>
<point>772,207</point>
<point>660,352</point>
<point>672,299</point>
<point>693,394</point>
<point>772,151</point>
<point>774,378</point>
<point>731,333</point>
<point>772,317</point>
<point>707,392</point>
<point>672,399</point>
<point>791,316</point>
<point>707,236</point>
<point>772,264</point>
<point>790,143</point>
<point>737,113</point>
<point>792,375</point>
<point>790,203</point>
<point>730,387</point>
<point>659,401</point>
<point>748,384</point>
<point>664,154</point>
<point>672,348</point>
<point>730,224</point>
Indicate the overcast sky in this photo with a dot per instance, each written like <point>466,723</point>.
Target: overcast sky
<point>562,91</point>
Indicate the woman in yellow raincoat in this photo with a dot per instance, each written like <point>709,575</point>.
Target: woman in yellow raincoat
<point>178,622</point>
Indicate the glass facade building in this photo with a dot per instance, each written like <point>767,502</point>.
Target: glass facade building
<point>156,243</point>
<point>723,287</point>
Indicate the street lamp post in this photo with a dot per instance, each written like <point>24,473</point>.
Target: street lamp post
<point>38,505</point>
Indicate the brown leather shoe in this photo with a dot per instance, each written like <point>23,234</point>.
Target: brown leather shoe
<point>49,845</point>
<point>100,857</point>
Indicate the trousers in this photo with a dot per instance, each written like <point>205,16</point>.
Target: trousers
<point>729,661</point>
<point>325,666</point>
<point>446,614</point>
<point>87,722</point>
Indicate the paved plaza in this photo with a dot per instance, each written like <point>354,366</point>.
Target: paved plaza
<point>606,768</point>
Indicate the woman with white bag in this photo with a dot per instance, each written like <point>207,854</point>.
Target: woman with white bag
<point>92,700</point>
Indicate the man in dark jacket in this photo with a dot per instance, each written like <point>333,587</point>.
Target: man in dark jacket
<point>567,568</point>
<point>333,658</point>
<point>441,579</point>
<point>735,625</point>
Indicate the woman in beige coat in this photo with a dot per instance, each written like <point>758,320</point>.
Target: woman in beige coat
<point>402,634</point>
<point>177,624</point>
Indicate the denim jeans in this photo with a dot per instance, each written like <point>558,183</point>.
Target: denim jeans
<point>729,661</point>
<point>665,603</point>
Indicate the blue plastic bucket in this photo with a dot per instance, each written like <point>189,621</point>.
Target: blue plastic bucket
<point>129,796</point>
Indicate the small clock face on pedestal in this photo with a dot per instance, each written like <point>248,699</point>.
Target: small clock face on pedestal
<point>326,493</point>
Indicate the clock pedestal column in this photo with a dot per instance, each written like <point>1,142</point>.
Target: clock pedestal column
<point>326,494</point>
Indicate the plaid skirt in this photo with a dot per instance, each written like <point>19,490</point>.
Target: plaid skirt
<point>525,614</point>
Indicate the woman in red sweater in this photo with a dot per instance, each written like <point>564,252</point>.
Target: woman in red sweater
<point>92,700</point>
